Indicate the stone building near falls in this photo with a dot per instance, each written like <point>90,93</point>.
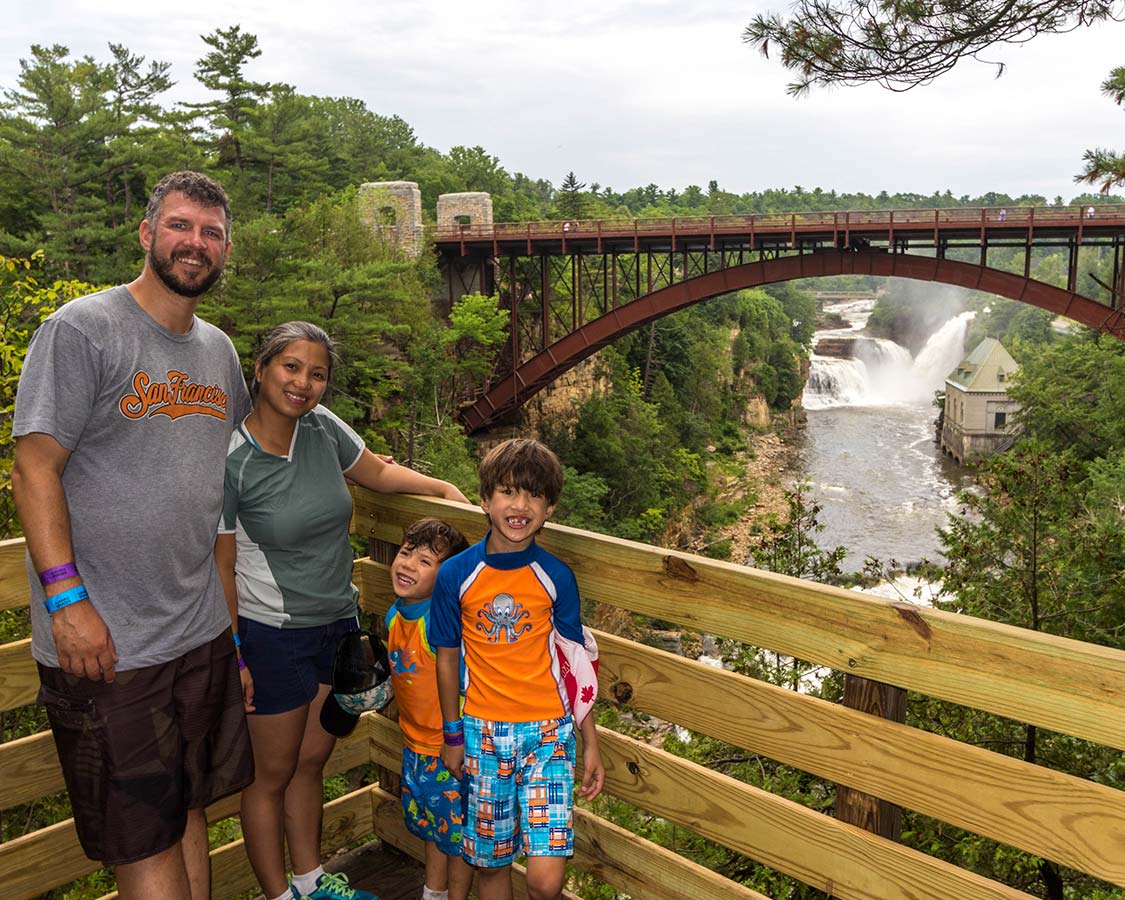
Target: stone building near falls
<point>977,419</point>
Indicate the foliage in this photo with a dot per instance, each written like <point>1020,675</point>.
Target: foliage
<point>1105,168</point>
<point>230,117</point>
<point>1072,396</point>
<point>906,44</point>
<point>789,545</point>
<point>570,203</point>
<point>620,438</point>
<point>24,304</point>
<point>1040,544</point>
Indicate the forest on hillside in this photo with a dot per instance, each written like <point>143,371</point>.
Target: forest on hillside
<point>83,139</point>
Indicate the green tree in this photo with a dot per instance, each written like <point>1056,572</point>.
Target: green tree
<point>286,151</point>
<point>1105,168</point>
<point>570,201</point>
<point>25,301</point>
<point>54,131</point>
<point>232,115</point>
<point>903,45</point>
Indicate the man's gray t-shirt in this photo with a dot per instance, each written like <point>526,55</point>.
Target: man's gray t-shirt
<point>147,415</point>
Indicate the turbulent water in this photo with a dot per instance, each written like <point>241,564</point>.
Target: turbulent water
<point>869,447</point>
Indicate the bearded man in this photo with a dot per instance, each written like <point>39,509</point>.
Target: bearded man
<point>123,415</point>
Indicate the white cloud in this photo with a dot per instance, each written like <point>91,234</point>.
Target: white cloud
<point>631,93</point>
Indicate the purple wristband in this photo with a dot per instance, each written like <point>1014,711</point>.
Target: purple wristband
<point>454,740</point>
<point>241,664</point>
<point>58,573</point>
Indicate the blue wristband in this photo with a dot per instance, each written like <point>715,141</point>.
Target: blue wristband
<point>237,640</point>
<point>74,595</point>
<point>454,727</point>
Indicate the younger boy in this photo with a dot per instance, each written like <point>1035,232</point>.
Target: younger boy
<point>504,603</point>
<point>431,798</point>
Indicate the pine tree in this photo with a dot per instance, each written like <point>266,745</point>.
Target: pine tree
<point>570,201</point>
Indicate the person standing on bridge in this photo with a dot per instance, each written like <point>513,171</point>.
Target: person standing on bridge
<point>125,408</point>
<point>286,566</point>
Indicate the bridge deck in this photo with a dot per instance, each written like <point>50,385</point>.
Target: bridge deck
<point>1014,226</point>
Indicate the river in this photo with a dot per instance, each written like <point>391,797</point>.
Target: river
<point>869,448</point>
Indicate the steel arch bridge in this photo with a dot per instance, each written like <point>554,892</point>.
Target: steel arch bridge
<point>572,288</point>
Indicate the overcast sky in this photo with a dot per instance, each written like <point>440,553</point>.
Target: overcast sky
<point>634,92</point>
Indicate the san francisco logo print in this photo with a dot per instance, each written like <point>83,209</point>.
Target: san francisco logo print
<point>175,398</point>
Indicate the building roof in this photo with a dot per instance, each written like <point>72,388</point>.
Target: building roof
<point>988,368</point>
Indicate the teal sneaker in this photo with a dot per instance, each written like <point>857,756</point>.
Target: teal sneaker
<point>334,886</point>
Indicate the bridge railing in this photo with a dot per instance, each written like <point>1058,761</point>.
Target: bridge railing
<point>1055,683</point>
<point>968,217</point>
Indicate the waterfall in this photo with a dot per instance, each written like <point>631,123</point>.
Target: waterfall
<point>882,372</point>
<point>944,349</point>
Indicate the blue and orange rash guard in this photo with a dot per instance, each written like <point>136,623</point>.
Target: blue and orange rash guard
<point>414,676</point>
<point>503,610</point>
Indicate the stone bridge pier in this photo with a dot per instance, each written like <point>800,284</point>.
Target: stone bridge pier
<point>393,209</point>
<point>476,273</point>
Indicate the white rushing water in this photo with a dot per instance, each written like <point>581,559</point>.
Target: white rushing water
<point>882,372</point>
<point>869,450</point>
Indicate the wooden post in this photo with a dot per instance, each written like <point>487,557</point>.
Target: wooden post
<point>855,807</point>
<point>384,552</point>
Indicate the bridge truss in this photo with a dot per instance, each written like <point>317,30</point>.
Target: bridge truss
<point>572,288</point>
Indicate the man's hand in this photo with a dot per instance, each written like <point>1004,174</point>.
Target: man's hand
<point>83,642</point>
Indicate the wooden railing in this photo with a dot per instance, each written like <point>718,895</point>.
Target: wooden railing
<point>1060,684</point>
<point>968,218</point>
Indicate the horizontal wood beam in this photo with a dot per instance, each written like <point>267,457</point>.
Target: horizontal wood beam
<point>31,769</point>
<point>1078,823</point>
<point>1072,821</point>
<point>641,868</point>
<point>52,856</point>
<point>1045,680</point>
<point>841,860</point>
<point>622,859</point>
<point>14,591</point>
<point>19,679</point>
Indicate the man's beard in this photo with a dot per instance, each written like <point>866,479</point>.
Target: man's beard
<point>163,267</point>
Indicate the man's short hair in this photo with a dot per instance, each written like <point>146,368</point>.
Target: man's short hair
<point>439,536</point>
<point>203,189</point>
<point>524,464</point>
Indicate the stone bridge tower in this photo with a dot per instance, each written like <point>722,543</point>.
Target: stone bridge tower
<point>471,212</point>
<point>394,211</point>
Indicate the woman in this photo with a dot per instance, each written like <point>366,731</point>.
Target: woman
<point>286,564</point>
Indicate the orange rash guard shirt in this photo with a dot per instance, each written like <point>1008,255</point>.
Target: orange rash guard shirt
<point>414,676</point>
<point>503,610</point>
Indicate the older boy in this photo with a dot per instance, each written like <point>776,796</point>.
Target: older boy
<point>431,798</point>
<point>503,603</point>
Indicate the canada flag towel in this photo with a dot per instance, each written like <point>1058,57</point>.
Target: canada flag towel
<point>578,674</point>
